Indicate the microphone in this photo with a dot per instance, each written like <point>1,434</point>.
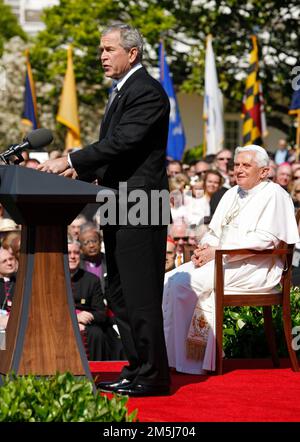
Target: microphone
<point>35,139</point>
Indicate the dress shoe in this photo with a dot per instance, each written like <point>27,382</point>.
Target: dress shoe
<point>111,387</point>
<point>139,390</point>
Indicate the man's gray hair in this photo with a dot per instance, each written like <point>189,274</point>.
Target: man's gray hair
<point>73,241</point>
<point>130,37</point>
<point>261,156</point>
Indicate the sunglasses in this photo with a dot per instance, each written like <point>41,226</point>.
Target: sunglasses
<point>297,191</point>
<point>223,159</point>
<point>296,177</point>
<point>177,238</point>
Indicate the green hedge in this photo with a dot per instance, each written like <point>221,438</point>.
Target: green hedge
<point>59,398</point>
<point>243,333</point>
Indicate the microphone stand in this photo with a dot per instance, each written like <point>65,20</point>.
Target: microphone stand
<point>8,153</point>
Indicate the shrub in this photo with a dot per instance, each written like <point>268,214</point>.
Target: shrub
<point>59,398</point>
<point>243,332</point>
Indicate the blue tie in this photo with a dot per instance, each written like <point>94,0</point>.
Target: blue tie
<point>112,96</point>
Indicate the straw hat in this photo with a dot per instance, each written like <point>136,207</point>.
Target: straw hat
<point>8,225</point>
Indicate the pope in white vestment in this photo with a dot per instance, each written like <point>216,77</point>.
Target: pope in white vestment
<point>257,214</point>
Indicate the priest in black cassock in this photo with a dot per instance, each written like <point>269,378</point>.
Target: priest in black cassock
<point>102,339</point>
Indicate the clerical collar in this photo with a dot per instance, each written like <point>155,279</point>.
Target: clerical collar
<point>8,278</point>
<point>119,83</point>
<point>244,193</point>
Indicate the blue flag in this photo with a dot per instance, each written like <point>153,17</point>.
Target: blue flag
<point>29,116</point>
<point>295,105</point>
<point>176,137</point>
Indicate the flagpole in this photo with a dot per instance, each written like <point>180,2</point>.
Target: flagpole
<point>204,139</point>
<point>208,37</point>
<point>298,136</point>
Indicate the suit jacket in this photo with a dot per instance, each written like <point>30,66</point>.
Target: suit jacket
<point>215,199</point>
<point>103,279</point>
<point>88,295</point>
<point>133,139</point>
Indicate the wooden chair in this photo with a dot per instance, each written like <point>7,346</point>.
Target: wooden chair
<point>266,300</point>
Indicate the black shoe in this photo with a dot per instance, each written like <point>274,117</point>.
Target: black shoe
<point>139,390</point>
<point>111,387</point>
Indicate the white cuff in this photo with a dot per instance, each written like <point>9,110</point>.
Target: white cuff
<point>69,161</point>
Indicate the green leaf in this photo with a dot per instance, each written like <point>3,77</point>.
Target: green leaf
<point>240,323</point>
<point>59,398</point>
<point>229,331</point>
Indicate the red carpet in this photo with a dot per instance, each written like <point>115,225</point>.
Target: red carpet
<point>249,391</point>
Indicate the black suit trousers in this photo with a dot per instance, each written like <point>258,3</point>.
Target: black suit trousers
<point>135,267</point>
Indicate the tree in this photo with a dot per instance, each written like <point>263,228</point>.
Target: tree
<point>78,22</point>
<point>9,26</point>
<point>184,25</point>
<point>11,103</point>
<point>231,22</point>
<point>13,38</point>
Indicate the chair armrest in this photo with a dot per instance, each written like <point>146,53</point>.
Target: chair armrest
<point>219,274</point>
<point>232,252</point>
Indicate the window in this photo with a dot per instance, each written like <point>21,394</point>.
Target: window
<point>232,134</point>
<point>32,15</point>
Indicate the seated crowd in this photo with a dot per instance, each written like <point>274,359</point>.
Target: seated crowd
<point>196,190</point>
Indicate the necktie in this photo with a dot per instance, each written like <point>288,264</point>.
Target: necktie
<point>110,100</point>
<point>179,260</point>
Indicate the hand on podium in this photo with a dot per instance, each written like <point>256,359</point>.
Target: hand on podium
<point>70,173</point>
<point>58,166</point>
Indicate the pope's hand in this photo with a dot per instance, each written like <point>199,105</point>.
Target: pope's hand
<point>58,166</point>
<point>202,255</point>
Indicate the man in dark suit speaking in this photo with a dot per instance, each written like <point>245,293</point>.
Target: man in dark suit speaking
<point>131,150</point>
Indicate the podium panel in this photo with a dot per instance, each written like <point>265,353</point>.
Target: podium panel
<point>42,335</point>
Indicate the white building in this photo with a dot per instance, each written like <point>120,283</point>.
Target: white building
<point>29,12</point>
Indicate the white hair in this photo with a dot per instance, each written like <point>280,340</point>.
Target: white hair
<point>261,156</point>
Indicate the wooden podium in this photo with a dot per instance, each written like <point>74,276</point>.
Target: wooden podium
<point>42,335</point>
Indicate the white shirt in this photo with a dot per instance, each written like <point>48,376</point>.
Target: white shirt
<point>121,81</point>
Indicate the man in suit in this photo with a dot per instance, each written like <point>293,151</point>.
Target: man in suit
<point>131,150</point>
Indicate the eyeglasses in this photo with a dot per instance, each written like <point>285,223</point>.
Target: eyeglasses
<point>88,241</point>
<point>177,238</point>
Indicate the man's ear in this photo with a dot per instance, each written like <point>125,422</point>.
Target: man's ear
<point>133,53</point>
<point>265,172</point>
